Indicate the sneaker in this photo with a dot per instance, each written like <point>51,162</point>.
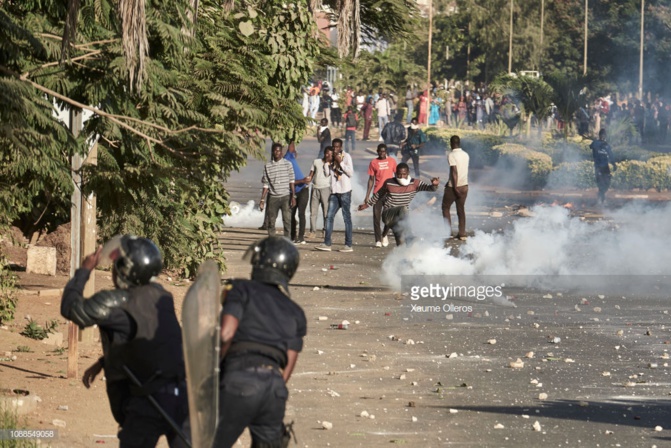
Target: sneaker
<point>323,247</point>
<point>385,242</point>
<point>463,238</point>
<point>347,249</point>
<point>378,244</point>
<point>297,242</point>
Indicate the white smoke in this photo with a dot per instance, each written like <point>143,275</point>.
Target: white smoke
<point>632,241</point>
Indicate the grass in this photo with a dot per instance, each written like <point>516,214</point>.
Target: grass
<point>10,420</point>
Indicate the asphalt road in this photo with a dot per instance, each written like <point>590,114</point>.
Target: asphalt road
<point>598,375</point>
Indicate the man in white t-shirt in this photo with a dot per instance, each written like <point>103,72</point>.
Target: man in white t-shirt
<point>456,188</point>
<point>383,111</point>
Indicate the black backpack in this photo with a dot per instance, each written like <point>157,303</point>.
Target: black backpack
<point>351,121</point>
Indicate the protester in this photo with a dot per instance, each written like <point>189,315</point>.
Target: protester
<point>323,136</point>
<point>603,157</point>
<point>321,189</point>
<point>456,189</point>
<point>394,135</point>
<point>302,194</point>
<point>278,186</point>
<point>412,146</point>
<point>351,123</point>
<point>379,170</point>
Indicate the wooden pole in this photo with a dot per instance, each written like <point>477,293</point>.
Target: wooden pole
<point>89,238</point>
<point>510,43</point>
<point>428,65</point>
<point>640,62</point>
<point>584,64</point>
<point>75,239</point>
<point>540,57</point>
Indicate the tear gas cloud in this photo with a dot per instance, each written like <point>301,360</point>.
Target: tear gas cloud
<point>550,250</point>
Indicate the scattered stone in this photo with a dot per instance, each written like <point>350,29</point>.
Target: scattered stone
<point>543,396</point>
<point>536,325</point>
<point>454,411</point>
<point>583,404</point>
<point>554,340</point>
<point>620,332</point>
<point>323,318</point>
<point>577,308</point>
<point>517,364</point>
<point>327,425</point>
<point>597,309</point>
<point>364,414</point>
<point>333,393</point>
<point>496,214</point>
<point>59,423</point>
<point>409,370</point>
<point>414,383</point>
<point>658,428</point>
<point>617,307</point>
<point>372,417</point>
<point>452,355</point>
<point>537,426</point>
<point>414,419</point>
<point>63,407</point>
<point>609,432</point>
<point>449,316</point>
<point>352,366</point>
<point>491,341</point>
<point>316,288</point>
<point>605,373</point>
<point>547,296</point>
<point>529,355</point>
<point>402,376</point>
<point>320,352</point>
<point>525,416</point>
<point>409,342</point>
<point>499,426</point>
<point>530,313</point>
<point>534,381</point>
<point>411,404</point>
<point>584,301</point>
<point>601,296</point>
<point>652,365</point>
<point>648,333</point>
<point>569,360</point>
<point>665,356</point>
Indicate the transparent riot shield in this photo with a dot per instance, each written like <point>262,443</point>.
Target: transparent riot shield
<point>202,341</point>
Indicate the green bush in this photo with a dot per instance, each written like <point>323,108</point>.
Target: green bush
<point>655,173</point>
<point>533,166</point>
<point>574,175</point>
<point>479,145</point>
<point>8,299</point>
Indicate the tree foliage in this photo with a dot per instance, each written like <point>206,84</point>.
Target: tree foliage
<point>165,150</point>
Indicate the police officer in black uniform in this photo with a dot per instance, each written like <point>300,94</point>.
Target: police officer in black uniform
<point>262,332</point>
<point>140,334</point>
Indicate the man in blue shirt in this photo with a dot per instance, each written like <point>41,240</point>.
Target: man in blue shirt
<point>603,157</point>
<point>302,195</point>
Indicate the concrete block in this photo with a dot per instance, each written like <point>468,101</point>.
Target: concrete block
<point>21,405</point>
<point>41,260</point>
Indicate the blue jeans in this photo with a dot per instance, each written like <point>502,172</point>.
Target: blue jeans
<point>410,110</point>
<point>350,135</point>
<point>336,202</point>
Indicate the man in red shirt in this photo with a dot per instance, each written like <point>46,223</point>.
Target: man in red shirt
<point>379,170</point>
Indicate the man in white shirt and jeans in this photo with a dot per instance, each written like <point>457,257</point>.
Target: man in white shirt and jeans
<point>456,189</point>
<point>341,171</point>
<point>383,111</point>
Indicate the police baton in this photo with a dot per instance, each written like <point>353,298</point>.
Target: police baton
<point>158,407</point>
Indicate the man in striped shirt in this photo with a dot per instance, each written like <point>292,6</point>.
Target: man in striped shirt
<point>278,184</point>
<point>397,194</point>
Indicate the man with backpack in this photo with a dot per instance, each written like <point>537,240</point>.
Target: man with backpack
<point>393,134</point>
<point>351,123</point>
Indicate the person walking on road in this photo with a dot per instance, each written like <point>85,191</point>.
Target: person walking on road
<point>379,170</point>
<point>456,189</point>
<point>278,187</point>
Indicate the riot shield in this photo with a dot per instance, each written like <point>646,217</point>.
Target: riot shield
<point>202,341</point>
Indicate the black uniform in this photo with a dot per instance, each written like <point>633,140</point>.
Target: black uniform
<point>252,391</point>
<point>139,330</point>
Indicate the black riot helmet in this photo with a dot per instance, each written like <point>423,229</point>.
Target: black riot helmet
<point>137,261</point>
<point>274,260</point>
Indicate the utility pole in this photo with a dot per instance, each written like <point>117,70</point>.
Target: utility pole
<point>428,65</point>
<point>540,56</point>
<point>584,68</point>
<point>75,238</point>
<point>510,43</point>
<point>640,62</point>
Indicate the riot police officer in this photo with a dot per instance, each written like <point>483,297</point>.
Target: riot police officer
<point>262,332</point>
<point>141,339</point>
